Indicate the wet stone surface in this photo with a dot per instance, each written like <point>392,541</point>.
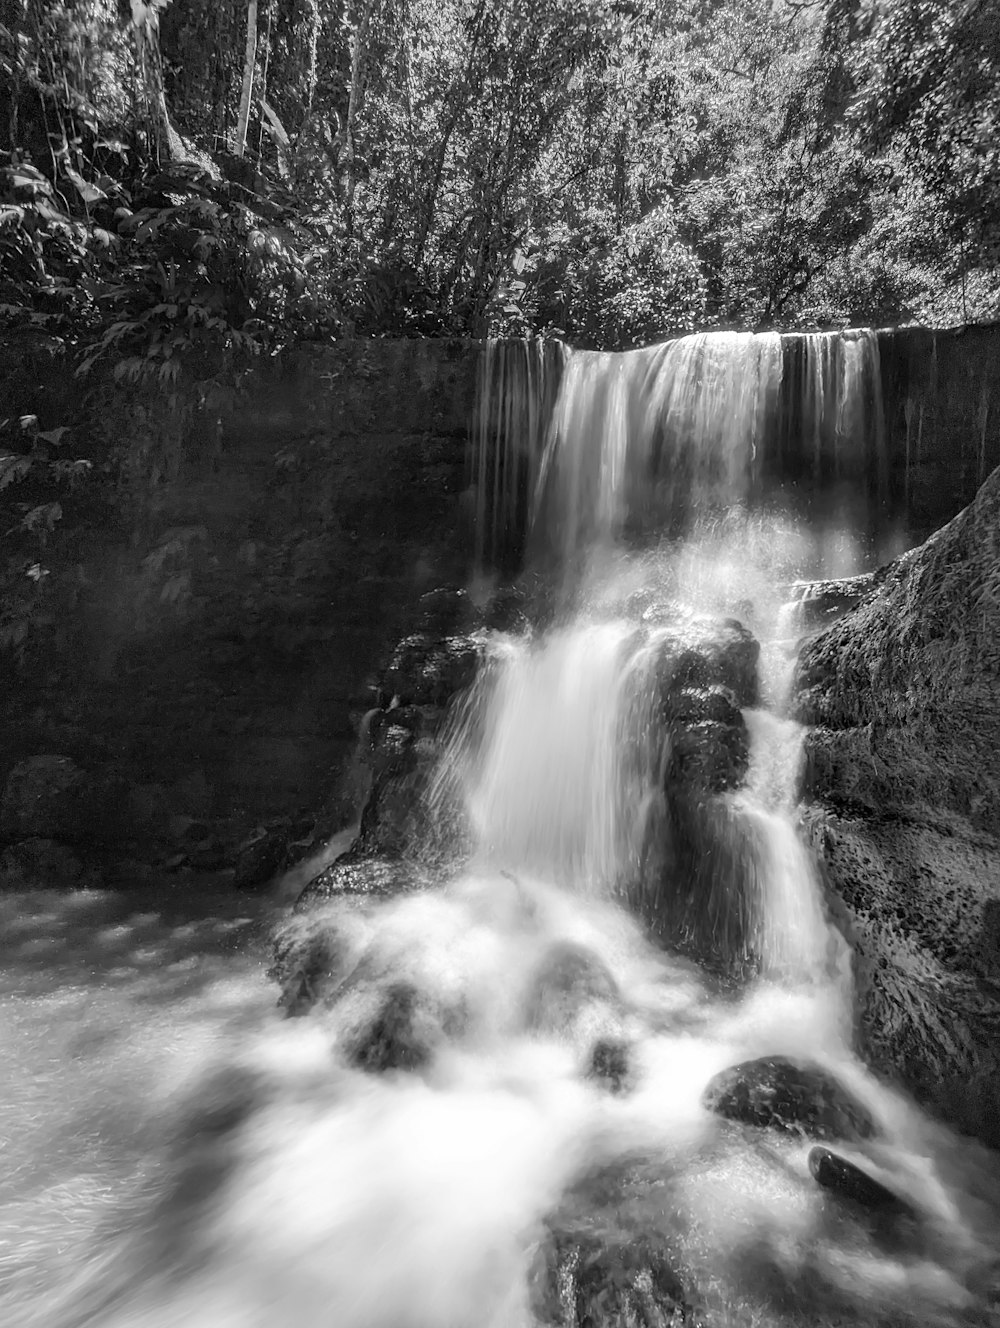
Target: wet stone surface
<point>357,875</point>
<point>852,1182</point>
<point>793,1096</point>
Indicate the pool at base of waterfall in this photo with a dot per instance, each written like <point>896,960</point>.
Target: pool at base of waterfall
<point>178,1154</point>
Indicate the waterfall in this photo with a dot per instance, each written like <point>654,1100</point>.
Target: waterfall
<point>498,1110</point>
<point>517,384</point>
<point>577,449</point>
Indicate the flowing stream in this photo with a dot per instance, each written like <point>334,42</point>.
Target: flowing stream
<point>177,1153</point>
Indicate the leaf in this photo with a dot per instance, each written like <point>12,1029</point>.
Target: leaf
<point>12,469</point>
<point>45,514</point>
<point>54,436</point>
<point>88,192</point>
<point>274,125</point>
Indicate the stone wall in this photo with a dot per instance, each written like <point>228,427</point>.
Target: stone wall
<point>257,541</point>
<point>941,399</point>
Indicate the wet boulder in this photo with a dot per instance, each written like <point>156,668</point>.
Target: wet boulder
<point>710,755</point>
<point>430,670</point>
<point>401,1034</point>
<point>706,676</point>
<point>701,892</point>
<point>355,875</point>
<point>699,651</point>
<point>609,1255</point>
<point>308,962</point>
<point>398,814</point>
<point>798,1097</point>
<point>609,1064</point>
<point>445,611</point>
<point>260,857</point>
<point>847,1179</point>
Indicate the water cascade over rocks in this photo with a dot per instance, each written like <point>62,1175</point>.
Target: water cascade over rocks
<point>574,1039</point>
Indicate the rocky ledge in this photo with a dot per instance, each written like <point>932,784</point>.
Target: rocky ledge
<point>902,782</point>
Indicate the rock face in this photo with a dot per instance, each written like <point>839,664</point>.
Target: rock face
<point>903,774</point>
<point>404,828</point>
<point>699,888</point>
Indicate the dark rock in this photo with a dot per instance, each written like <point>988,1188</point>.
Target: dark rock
<point>307,963</point>
<point>419,721</point>
<point>400,1037</point>
<point>700,890</point>
<point>609,1255</point>
<point>509,610</point>
<point>711,755</point>
<point>609,1063</point>
<point>795,1096</point>
<point>260,857</point>
<point>352,874</point>
<point>427,670</point>
<point>903,770</point>
<point>851,1182</point>
<point>445,611</point>
<point>707,671</point>
<point>396,815</point>
<point>39,864</point>
<point>393,747</point>
<point>704,652</point>
<point>700,705</point>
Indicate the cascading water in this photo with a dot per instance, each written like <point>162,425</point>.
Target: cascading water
<point>536,1151</point>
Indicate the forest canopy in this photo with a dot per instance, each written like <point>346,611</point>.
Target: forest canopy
<point>176,172</point>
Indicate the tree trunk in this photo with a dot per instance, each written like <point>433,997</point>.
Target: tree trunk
<point>354,102</point>
<point>162,142</point>
<point>250,60</point>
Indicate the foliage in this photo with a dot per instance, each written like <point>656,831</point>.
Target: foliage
<point>618,170</point>
<point>39,478</point>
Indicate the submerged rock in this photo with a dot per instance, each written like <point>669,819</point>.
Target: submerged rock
<point>609,1063</point>
<point>307,963</point>
<point>401,1036</point>
<point>570,979</point>
<point>903,771</point>
<point>606,1259</point>
<point>850,1181</point>
<point>785,1094</point>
